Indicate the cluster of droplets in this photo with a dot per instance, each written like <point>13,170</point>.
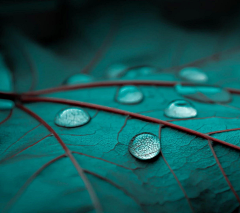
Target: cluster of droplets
<point>145,146</point>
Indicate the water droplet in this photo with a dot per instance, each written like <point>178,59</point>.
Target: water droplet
<point>72,117</point>
<point>129,94</point>
<point>6,84</point>
<point>138,71</point>
<point>79,79</point>
<point>6,104</point>
<point>180,109</point>
<point>193,74</point>
<point>145,146</point>
<point>116,70</point>
<point>207,94</point>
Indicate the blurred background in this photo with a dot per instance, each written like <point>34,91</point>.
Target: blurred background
<point>47,43</point>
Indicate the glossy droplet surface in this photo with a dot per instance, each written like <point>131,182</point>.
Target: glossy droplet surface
<point>6,104</point>
<point>139,71</point>
<point>129,94</point>
<point>193,74</point>
<point>207,94</point>
<point>180,109</point>
<point>145,146</point>
<point>116,70</point>
<point>72,117</point>
<point>79,79</point>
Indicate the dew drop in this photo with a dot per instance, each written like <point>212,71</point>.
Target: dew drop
<point>6,104</point>
<point>79,79</point>
<point>193,74</point>
<point>129,94</point>
<point>6,84</point>
<point>180,109</point>
<point>72,117</point>
<point>138,71</point>
<point>116,70</point>
<point>145,146</point>
<point>207,94</point>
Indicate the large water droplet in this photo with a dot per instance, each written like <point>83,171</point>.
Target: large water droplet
<point>193,74</point>
<point>72,117</point>
<point>79,79</point>
<point>207,94</point>
<point>180,109</point>
<point>145,146</point>
<point>129,94</point>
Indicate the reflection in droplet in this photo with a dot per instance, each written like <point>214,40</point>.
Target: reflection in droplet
<point>145,146</point>
<point>129,94</point>
<point>180,109</point>
<point>6,104</point>
<point>193,74</point>
<point>79,79</point>
<point>72,117</point>
<point>208,94</point>
<point>116,70</point>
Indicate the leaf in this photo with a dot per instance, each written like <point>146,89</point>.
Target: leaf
<point>48,168</point>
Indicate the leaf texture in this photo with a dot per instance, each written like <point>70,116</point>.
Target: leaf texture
<point>47,168</point>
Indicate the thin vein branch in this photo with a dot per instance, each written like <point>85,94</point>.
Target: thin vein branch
<point>107,161</point>
<point>206,59</point>
<point>221,131</point>
<point>25,148</point>
<point>103,48</point>
<point>175,176</point>
<point>8,117</point>
<point>80,171</point>
<point>223,172</point>
<point>21,138</point>
<point>116,185</point>
<point>28,182</point>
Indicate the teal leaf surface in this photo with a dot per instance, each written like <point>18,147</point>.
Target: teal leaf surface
<point>49,168</point>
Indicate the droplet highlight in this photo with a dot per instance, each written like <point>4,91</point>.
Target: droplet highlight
<point>145,146</point>
<point>79,79</point>
<point>129,94</point>
<point>207,94</point>
<point>180,109</point>
<point>72,117</point>
<point>193,74</point>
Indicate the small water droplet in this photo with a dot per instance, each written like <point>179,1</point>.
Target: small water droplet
<point>145,146</point>
<point>72,117</point>
<point>116,70</point>
<point>207,94</point>
<point>79,79</point>
<point>6,104</point>
<point>138,71</point>
<point>129,94</point>
<point>180,109</point>
<point>193,74</point>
